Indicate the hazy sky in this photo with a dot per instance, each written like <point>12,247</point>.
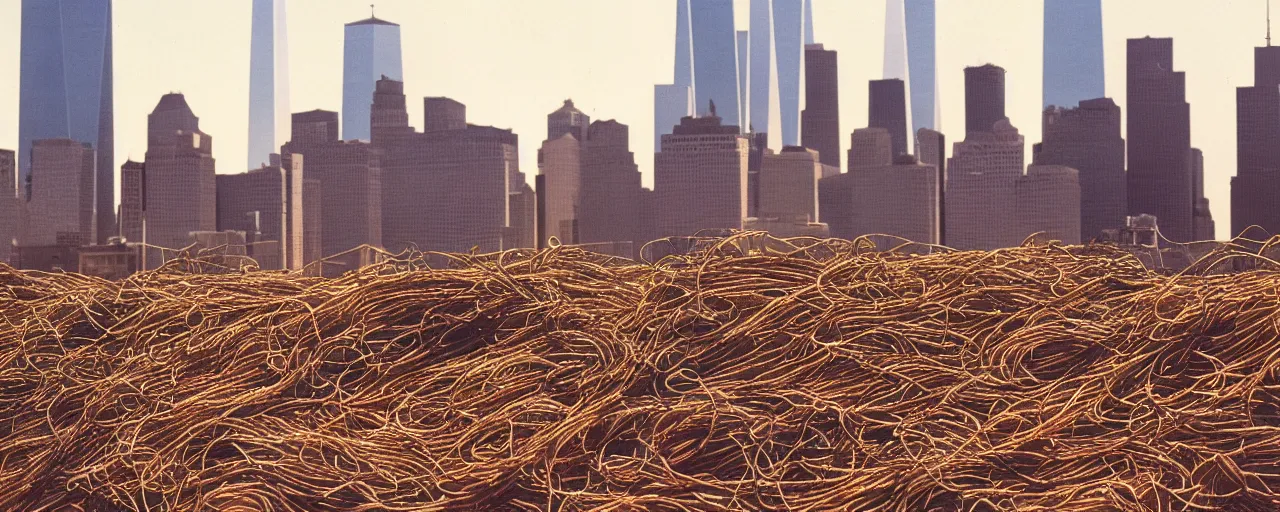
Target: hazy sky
<point>514,61</point>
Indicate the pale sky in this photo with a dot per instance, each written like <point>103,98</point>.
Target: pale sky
<point>513,61</point>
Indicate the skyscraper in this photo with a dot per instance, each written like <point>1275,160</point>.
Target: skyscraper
<point>609,199</point>
<point>715,58</point>
<point>898,199</point>
<point>567,120</point>
<point>922,32</point>
<point>896,56</point>
<point>983,98</point>
<point>870,147</point>
<point>62,193</point>
<point>1073,56</point>
<point>1255,189</point>
<point>180,187</point>
<point>66,89</point>
<point>765,105</point>
<point>744,79</point>
<point>791,34</point>
<point>888,109</point>
<point>700,178</point>
<point>822,104</point>
<point>1087,138</point>
<point>268,81</point>
<point>789,184</point>
<point>931,146</point>
<point>371,51</point>
<point>1048,199</point>
<point>132,192</point>
<point>11,217</point>
<point>560,166</point>
<point>684,75</point>
<point>1159,130</point>
<point>981,196</point>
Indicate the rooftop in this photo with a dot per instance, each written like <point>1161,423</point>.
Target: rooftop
<point>372,21</point>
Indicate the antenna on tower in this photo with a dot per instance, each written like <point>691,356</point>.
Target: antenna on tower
<point>374,14</point>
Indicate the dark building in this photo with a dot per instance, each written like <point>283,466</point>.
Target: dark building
<point>443,114</point>
<point>132,205</point>
<point>609,199</point>
<point>888,110</point>
<point>983,98</point>
<point>1087,139</point>
<point>1202,217</point>
<point>263,204</point>
<point>1255,189</point>
<point>180,188</point>
<point>931,149</point>
<point>1159,130</point>
<point>821,117</point>
<point>349,175</point>
<point>755,160</point>
<point>567,119</point>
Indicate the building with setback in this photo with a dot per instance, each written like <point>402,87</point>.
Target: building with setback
<point>371,50</point>
<point>1159,131</point>
<point>901,199</point>
<point>821,117</point>
<point>560,167</point>
<point>266,204</point>
<point>887,108</point>
<point>65,90</point>
<point>609,202</point>
<point>349,182</point>
<point>715,58</point>
<point>870,147</point>
<point>983,98</point>
<point>180,188</point>
<point>1255,189</point>
<point>268,81</point>
<point>444,190</point>
<point>1048,198</point>
<point>1087,138</point>
<point>62,194</point>
<point>700,178</point>
<point>981,189</point>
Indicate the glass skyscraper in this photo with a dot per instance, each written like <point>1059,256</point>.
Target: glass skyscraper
<point>715,60</point>
<point>922,33</point>
<point>268,82</point>
<point>764,107</point>
<point>1073,56</point>
<point>66,89</point>
<point>371,51</point>
<point>791,33</point>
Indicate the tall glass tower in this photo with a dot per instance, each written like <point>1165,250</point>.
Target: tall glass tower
<point>910,56</point>
<point>764,108</point>
<point>66,89</point>
<point>715,60</point>
<point>791,33</point>
<point>371,51</point>
<point>1073,56</point>
<point>268,81</point>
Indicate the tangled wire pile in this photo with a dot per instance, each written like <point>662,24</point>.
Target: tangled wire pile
<point>1036,378</point>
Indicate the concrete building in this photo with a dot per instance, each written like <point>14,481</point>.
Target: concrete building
<point>789,184</point>
<point>180,190</point>
<point>870,148</point>
<point>715,58</point>
<point>821,118</point>
<point>1048,199</point>
<point>983,98</point>
<point>609,205</point>
<point>8,173</point>
<point>349,175</point>
<point>523,228</point>
<point>560,166</point>
<point>444,114</point>
<point>566,120</point>
<point>268,81</point>
<point>445,190</point>
<point>901,199</point>
<point>981,189</point>
<point>1159,131</point>
<point>1255,189</point>
<point>266,204</point>
<point>312,220</point>
<point>764,108</point>
<point>11,221</point>
<point>66,90</point>
<point>744,77</point>
<point>1073,56</point>
<point>787,227</point>
<point>887,108</point>
<point>1202,217</point>
<point>113,261</point>
<point>62,194</point>
<point>1087,138</point>
<point>371,50</point>
<point>755,160</point>
<point>931,149</point>
<point>132,193</point>
<point>792,31</point>
<point>700,178</point>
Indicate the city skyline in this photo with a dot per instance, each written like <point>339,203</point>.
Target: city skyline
<point>1215,64</point>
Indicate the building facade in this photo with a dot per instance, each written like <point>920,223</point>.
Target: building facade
<point>180,188</point>
<point>1073,56</point>
<point>789,184</point>
<point>765,106</point>
<point>132,192</point>
<point>901,199</point>
<point>1255,189</point>
<point>268,81</point>
<point>870,148</point>
<point>931,148</point>
<point>1202,217</point>
<point>371,50</point>
<point>560,166</point>
<point>1048,199</point>
<point>887,108</point>
<point>983,98</point>
<point>62,194</point>
<point>1087,138</point>
<point>1159,130</point>
<point>792,31</point>
<point>566,120</point>
<point>267,205</point>
<point>821,118</point>
<point>700,178</point>
<point>981,189</point>
<point>66,89</point>
<point>11,219</point>
<point>715,58</point>
<point>609,203</point>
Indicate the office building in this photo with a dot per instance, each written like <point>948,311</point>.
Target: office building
<point>789,184</point>
<point>560,167</point>
<point>1159,131</point>
<point>900,199</point>
<point>1087,138</point>
<point>923,104</point>
<point>887,108</point>
<point>65,89</point>
<point>180,188</point>
<point>609,204</point>
<point>266,204</point>
<point>715,58</point>
<point>1048,198</point>
<point>765,106</point>
<point>821,119</point>
<point>981,189</point>
<point>1073,56</point>
<point>759,145</point>
<point>445,190</point>
<point>349,175</point>
<point>870,148</point>
<point>1202,217</point>
<point>700,178</point>
<point>132,192</point>
<point>268,81</point>
<point>1255,189</point>
<point>565,120</point>
<point>931,149</point>
<point>371,50</point>
<point>983,98</point>
<point>312,219</point>
<point>11,207</point>
<point>791,33</point>
<point>62,194</point>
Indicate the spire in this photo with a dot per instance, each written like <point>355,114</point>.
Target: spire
<point>373,12</point>
<point>713,108</point>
